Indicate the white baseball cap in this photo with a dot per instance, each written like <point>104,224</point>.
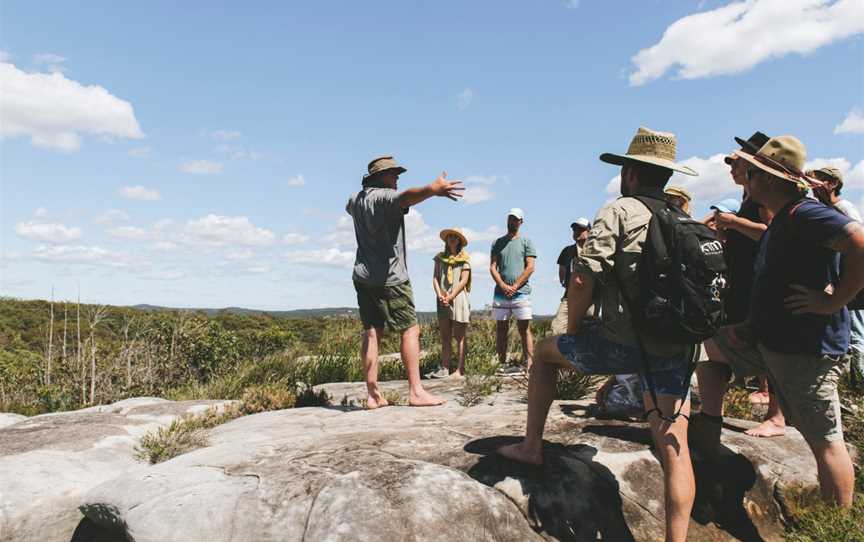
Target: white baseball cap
<point>581,222</point>
<point>517,212</point>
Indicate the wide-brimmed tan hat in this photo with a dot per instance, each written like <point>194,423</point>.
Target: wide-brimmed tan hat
<point>783,157</point>
<point>454,231</point>
<point>382,163</point>
<point>678,191</point>
<point>828,171</point>
<point>650,147</point>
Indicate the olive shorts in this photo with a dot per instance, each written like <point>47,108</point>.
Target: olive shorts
<point>805,384</point>
<point>386,306</point>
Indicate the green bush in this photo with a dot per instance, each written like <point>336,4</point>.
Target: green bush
<point>181,436</point>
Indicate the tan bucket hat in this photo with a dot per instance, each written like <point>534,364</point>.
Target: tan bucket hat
<point>678,191</point>
<point>382,163</point>
<point>650,147</point>
<point>783,157</point>
<point>454,231</point>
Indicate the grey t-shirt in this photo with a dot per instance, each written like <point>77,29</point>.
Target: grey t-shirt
<point>379,227</point>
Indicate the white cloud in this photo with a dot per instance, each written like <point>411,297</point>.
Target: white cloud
<point>489,234</point>
<point>479,262</point>
<point>239,152</point>
<point>852,124</point>
<point>477,188</point>
<point>130,233</point>
<point>298,180</point>
<point>79,254</point>
<point>140,152</point>
<point>327,257</point>
<point>738,36</point>
<point>54,111</point>
<point>853,177</point>
<point>294,238</point>
<point>343,234</point>
<point>47,232</point>
<point>112,215</point>
<point>713,183</point>
<point>225,135</point>
<point>141,193</point>
<point>5,56</point>
<point>238,255</point>
<point>52,61</point>
<point>41,212</point>
<point>463,101</point>
<point>165,246</point>
<point>201,167</point>
<point>256,269</point>
<point>213,230</point>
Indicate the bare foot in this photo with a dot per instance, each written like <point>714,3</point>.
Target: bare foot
<point>517,452</point>
<point>375,398</point>
<point>424,398</point>
<point>759,397</point>
<point>768,428</point>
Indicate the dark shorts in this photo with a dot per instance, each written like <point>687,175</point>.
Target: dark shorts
<point>590,353</point>
<point>390,307</point>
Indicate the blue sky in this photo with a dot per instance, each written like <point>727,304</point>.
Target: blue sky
<point>200,153</point>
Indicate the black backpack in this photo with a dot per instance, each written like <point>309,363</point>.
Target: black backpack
<point>682,277</point>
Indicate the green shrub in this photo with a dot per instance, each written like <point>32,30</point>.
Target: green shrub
<point>811,520</point>
<point>182,435</point>
<point>573,385</point>
<point>477,386</point>
<point>311,398</point>
<point>266,397</point>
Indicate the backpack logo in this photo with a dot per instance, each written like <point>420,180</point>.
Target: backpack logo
<point>711,247</point>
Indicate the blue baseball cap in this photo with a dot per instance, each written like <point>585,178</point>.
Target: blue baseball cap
<point>729,205</point>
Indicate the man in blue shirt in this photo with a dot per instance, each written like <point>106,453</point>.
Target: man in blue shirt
<point>511,265</point>
<point>798,327</point>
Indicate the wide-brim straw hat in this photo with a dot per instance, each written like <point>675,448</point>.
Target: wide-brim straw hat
<point>782,157</point>
<point>752,144</point>
<point>678,191</point>
<point>650,147</point>
<point>382,163</point>
<point>453,231</point>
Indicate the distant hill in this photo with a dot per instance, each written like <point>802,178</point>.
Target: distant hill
<point>296,313</point>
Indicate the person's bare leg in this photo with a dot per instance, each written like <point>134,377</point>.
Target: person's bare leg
<point>774,424</point>
<point>502,327</point>
<point>761,396</point>
<point>524,327</point>
<point>410,349</point>
<point>836,474</point>
<point>713,380</point>
<point>369,352</point>
<point>541,391</point>
<point>446,342</point>
<point>670,441</point>
<point>459,329</point>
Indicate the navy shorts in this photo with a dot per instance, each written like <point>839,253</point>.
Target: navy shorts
<point>590,353</point>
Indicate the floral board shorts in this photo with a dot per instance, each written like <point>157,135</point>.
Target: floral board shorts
<point>591,353</point>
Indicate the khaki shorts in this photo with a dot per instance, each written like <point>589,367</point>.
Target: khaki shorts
<point>805,384</point>
<point>386,306</point>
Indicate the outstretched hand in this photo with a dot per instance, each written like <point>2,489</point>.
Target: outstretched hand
<point>448,189</point>
<point>809,301</point>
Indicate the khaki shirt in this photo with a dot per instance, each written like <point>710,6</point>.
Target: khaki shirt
<point>611,254</point>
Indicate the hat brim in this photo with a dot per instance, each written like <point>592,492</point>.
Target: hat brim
<point>622,159</point>
<point>444,233</point>
<point>722,209</point>
<point>399,169</point>
<point>773,171</point>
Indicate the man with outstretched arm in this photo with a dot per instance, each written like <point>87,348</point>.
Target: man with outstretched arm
<point>798,328</point>
<point>608,263</point>
<point>381,274</point>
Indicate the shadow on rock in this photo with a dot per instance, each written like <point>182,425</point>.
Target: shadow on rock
<point>721,485</point>
<point>571,497</point>
<point>88,531</point>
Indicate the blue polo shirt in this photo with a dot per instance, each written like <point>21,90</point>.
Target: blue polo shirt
<point>796,250</point>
